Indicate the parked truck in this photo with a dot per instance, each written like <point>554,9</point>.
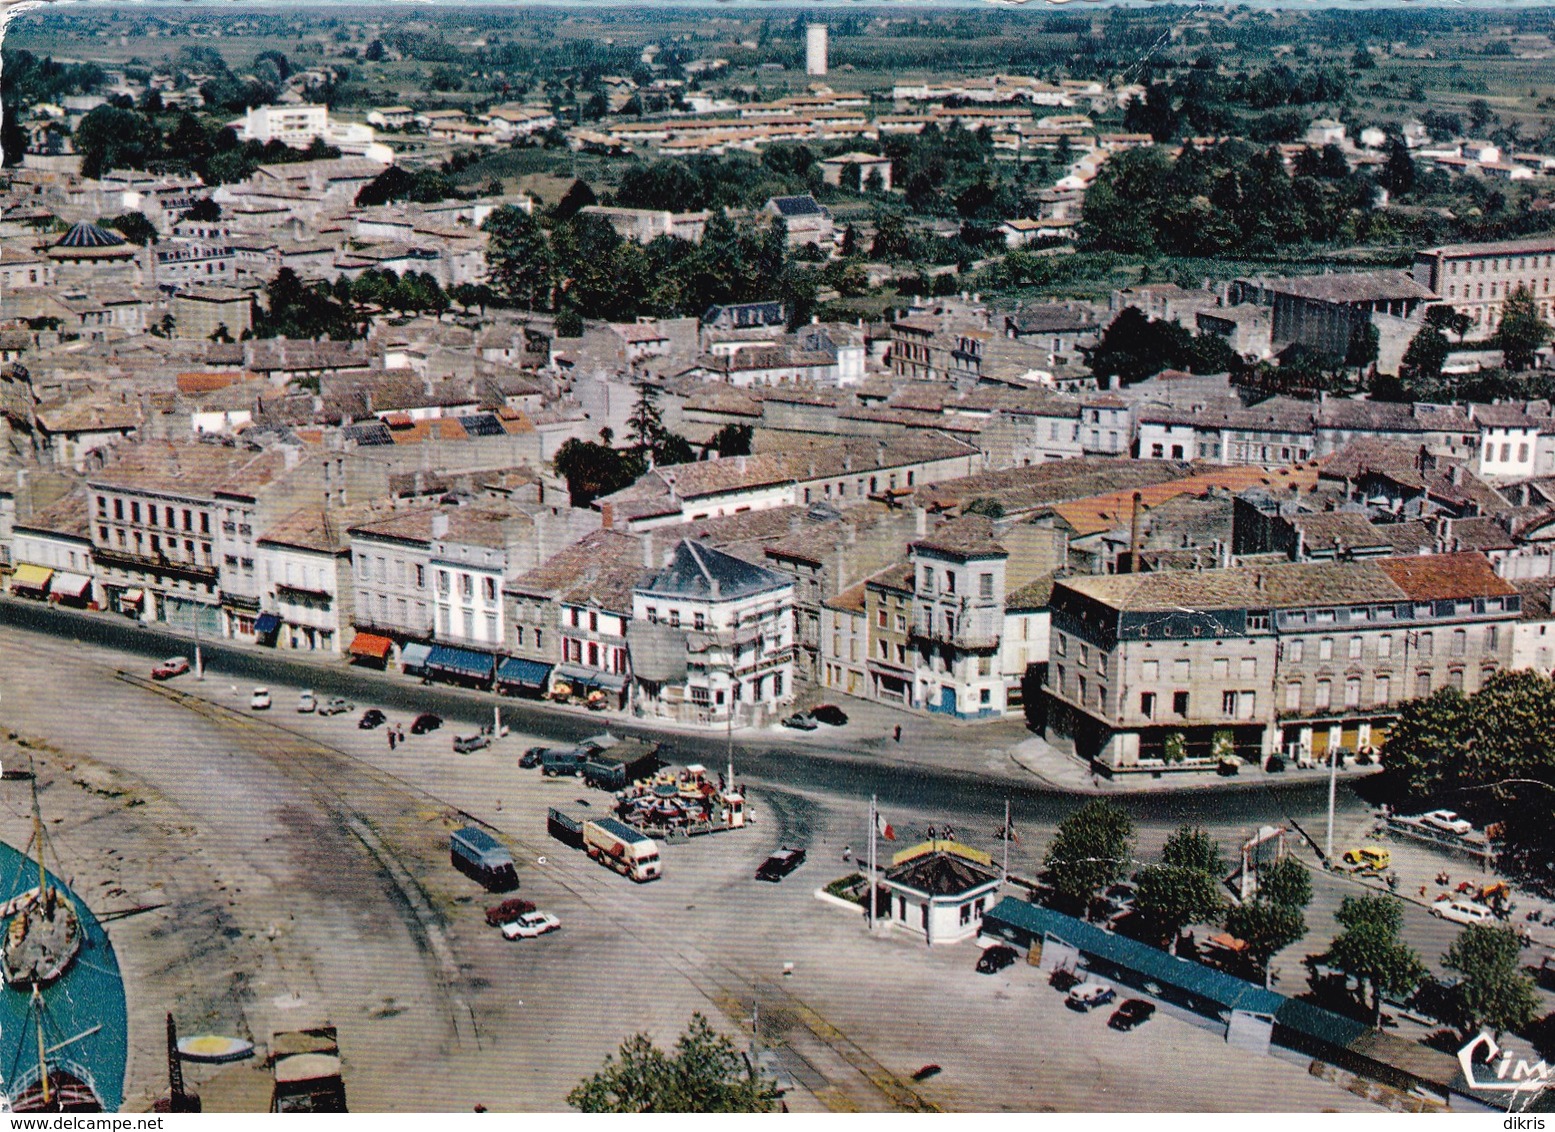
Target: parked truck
<point>613,844</point>
<point>482,857</point>
<point>618,846</point>
<point>617,767</point>
<point>305,1068</point>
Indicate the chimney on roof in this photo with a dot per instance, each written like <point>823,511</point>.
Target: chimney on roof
<point>1258,581</point>
<point>646,541</point>
<point>920,521</point>
<point>440,525</point>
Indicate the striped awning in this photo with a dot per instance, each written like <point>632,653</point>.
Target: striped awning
<point>529,673</point>
<point>414,656</point>
<point>465,662</point>
<point>30,577</point>
<point>70,585</point>
<point>370,644</point>
<point>132,597</point>
<point>591,678</point>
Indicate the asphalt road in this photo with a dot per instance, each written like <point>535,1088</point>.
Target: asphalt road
<point>970,797</point>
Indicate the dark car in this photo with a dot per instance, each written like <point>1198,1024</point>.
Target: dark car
<point>426,722</point>
<point>996,959</point>
<point>531,758</point>
<point>1133,1012</point>
<point>372,718</point>
<point>508,911</point>
<point>780,864</point>
<point>829,714</point>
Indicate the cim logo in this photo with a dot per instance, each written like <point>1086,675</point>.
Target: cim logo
<point>1506,1075</point>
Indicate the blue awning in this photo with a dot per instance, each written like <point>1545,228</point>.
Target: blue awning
<point>414,655</point>
<point>530,673</point>
<point>591,678</point>
<point>465,662</point>
<point>267,623</point>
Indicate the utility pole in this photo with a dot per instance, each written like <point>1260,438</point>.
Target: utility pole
<point>1006,841</point>
<point>1333,777</point>
<point>199,661</point>
<point>874,824</point>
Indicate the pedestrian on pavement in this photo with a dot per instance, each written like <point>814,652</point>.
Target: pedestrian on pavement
<point>847,853</point>
<point>931,833</point>
<point>898,732</point>
<point>391,738</point>
<point>1422,890</point>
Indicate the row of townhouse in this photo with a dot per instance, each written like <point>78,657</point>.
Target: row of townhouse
<point>1185,668</point>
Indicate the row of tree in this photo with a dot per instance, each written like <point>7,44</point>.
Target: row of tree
<point>1228,199</point>
<point>580,266</point>
<point>1093,848</point>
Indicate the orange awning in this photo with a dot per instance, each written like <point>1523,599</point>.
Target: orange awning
<point>370,644</point>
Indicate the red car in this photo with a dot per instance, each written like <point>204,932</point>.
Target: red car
<point>172,666</point>
<point>508,911</point>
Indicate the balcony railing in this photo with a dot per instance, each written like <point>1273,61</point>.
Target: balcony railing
<point>964,637</point>
<point>127,560</point>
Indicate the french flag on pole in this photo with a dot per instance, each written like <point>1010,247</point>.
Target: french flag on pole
<point>883,827</point>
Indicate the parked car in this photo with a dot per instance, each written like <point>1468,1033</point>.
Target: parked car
<point>306,702</point>
<point>1447,821</point>
<point>1367,857</point>
<point>829,714</point>
<point>464,744</point>
<point>372,718</point>
<point>172,666</point>
<point>1133,1012</point>
<point>260,700</point>
<point>996,959</point>
<point>531,758</point>
<point>337,705</point>
<point>531,925</point>
<point>1461,911</point>
<point>799,721</point>
<point>508,911</point>
<point>425,723</point>
<point>780,864</point>
<point>1089,995</point>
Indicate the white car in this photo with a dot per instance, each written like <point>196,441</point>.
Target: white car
<point>530,925</point>
<point>1462,911</point>
<point>1447,822</point>
<point>306,702</point>
<point>260,700</point>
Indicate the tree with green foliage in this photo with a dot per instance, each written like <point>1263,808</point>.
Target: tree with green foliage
<point>519,258</point>
<point>1493,992</point>
<point>111,138</point>
<point>1286,882</point>
<point>1370,951</point>
<point>1170,897</point>
<point>1190,847</point>
<point>204,210</point>
<point>134,227</point>
<point>577,197</point>
<point>1266,928</point>
<point>1522,332</point>
<point>592,470</point>
<point>1091,849</point>
<point>1423,747</point>
<point>1398,173</point>
<point>732,440</point>
<point>704,1073</point>
<point>1362,348</point>
<point>569,323</point>
<point>1425,356</point>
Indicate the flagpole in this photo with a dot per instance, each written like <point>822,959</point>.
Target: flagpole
<point>1006,841</point>
<point>874,822</point>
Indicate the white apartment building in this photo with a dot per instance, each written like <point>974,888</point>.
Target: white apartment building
<point>295,126</point>
<point>712,639</point>
<point>1476,279</point>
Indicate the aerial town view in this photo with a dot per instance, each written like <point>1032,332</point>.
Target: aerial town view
<point>863,558</point>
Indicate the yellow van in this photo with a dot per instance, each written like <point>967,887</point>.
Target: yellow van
<point>1367,857</point>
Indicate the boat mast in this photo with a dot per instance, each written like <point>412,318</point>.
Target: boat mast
<point>43,1061</point>
<point>37,836</point>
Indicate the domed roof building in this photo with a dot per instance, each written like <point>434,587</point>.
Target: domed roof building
<point>91,243</point>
